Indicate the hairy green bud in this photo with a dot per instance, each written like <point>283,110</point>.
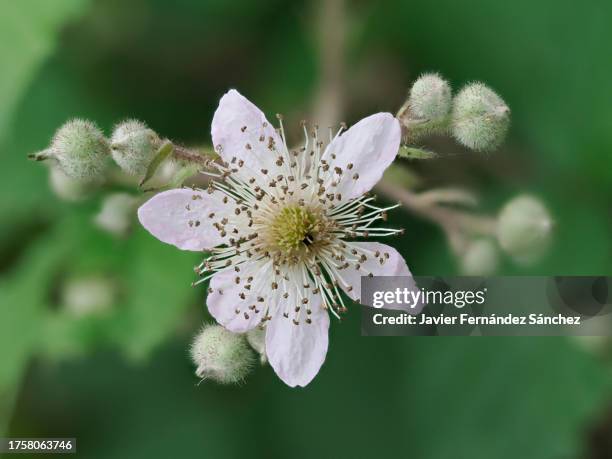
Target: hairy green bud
<point>430,97</point>
<point>221,355</point>
<point>80,149</point>
<point>134,146</point>
<point>481,258</point>
<point>524,229</point>
<point>480,118</point>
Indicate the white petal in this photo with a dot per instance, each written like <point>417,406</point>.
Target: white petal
<point>181,217</point>
<point>370,146</point>
<point>227,306</point>
<point>296,352</point>
<point>241,132</point>
<point>395,265</point>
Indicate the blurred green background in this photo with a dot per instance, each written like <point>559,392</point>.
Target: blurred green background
<point>122,383</point>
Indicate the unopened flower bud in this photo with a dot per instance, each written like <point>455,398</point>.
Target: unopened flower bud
<point>256,337</point>
<point>68,188</point>
<point>480,259</point>
<point>80,148</point>
<point>118,213</point>
<point>430,97</point>
<point>221,355</point>
<point>134,146</point>
<point>89,295</point>
<point>524,229</point>
<point>480,118</point>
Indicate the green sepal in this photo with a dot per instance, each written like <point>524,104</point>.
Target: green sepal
<point>415,153</point>
<point>162,154</point>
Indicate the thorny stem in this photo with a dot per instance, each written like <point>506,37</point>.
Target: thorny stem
<point>190,156</point>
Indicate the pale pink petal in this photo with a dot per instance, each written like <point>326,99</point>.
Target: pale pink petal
<point>245,139</point>
<point>182,217</point>
<point>296,352</point>
<point>394,265</point>
<point>369,146</point>
<point>238,300</point>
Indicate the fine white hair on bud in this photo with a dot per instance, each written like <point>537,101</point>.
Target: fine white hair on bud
<point>80,148</point>
<point>481,258</point>
<point>480,118</point>
<point>117,214</point>
<point>134,146</point>
<point>256,338</point>
<point>221,355</point>
<point>430,97</point>
<point>524,229</point>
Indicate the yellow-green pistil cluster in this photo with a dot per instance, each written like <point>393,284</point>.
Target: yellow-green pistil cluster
<point>295,230</point>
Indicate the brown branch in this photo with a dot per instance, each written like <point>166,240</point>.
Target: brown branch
<point>457,224</point>
<point>331,37</point>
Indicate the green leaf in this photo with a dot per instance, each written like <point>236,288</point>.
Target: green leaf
<point>155,289</point>
<point>28,34</point>
<point>24,297</point>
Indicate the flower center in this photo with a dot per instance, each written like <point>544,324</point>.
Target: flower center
<point>295,228</point>
<point>297,233</point>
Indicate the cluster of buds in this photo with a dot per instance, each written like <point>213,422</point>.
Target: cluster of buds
<point>81,151</point>
<point>476,116</point>
<point>81,157</point>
